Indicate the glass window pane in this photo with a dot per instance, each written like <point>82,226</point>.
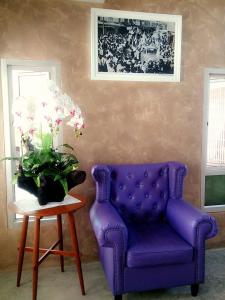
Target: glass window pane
<point>216,123</point>
<point>26,83</point>
<point>215,159</point>
<point>215,190</point>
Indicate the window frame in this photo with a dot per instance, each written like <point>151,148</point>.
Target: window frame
<point>207,73</point>
<point>7,65</point>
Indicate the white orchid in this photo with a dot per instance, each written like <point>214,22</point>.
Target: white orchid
<point>46,112</point>
<point>18,107</point>
<point>76,122</point>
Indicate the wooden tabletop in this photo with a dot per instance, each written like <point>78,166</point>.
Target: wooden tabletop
<point>44,211</point>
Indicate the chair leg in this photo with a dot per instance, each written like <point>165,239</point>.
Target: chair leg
<point>35,257</point>
<point>21,248</point>
<point>194,289</point>
<point>60,237</point>
<point>76,250</point>
<point>118,297</point>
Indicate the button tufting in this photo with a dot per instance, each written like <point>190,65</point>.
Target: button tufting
<point>154,206</point>
<point>129,175</point>
<point>141,185</point>
<point>163,171</point>
<point>117,198</point>
<point>141,197</point>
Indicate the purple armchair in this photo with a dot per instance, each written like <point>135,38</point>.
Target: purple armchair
<point>148,236</point>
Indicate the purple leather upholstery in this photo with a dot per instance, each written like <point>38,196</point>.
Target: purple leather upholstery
<point>139,193</point>
<point>156,244</point>
<point>145,229</point>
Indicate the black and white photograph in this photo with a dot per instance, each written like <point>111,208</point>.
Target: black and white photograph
<point>127,48</point>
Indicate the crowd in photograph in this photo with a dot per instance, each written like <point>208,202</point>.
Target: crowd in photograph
<point>136,51</point>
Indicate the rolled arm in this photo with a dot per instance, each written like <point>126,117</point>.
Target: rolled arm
<point>110,231</point>
<point>190,222</point>
<point>109,228</point>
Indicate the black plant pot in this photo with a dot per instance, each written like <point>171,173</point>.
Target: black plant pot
<point>50,190</point>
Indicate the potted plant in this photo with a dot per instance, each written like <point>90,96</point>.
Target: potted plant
<point>46,170</point>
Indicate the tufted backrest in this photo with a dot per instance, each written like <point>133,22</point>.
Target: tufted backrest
<point>139,192</point>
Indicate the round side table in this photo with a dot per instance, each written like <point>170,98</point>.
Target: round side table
<point>69,207</point>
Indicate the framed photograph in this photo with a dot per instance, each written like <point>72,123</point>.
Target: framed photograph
<point>135,46</point>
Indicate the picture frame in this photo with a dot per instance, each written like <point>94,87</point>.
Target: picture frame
<point>135,46</point>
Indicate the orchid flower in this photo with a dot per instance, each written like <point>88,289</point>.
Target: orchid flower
<point>46,112</point>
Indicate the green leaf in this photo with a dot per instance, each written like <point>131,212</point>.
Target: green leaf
<point>35,166</point>
<point>50,172</point>
<point>63,182</point>
<point>37,180</point>
<point>15,178</point>
<point>48,162</point>
<point>68,170</point>
<point>44,141</point>
<point>66,146</point>
<point>57,177</point>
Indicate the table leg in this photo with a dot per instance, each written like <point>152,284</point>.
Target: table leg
<point>35,257</point>
<point>60,237</point>
<point>76,250</point>
<point>22,245</point>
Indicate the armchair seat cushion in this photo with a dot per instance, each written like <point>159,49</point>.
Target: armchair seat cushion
<point>156,244</point>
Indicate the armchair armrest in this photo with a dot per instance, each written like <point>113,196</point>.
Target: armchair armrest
<point>191,223</point>
<point>110,230</point>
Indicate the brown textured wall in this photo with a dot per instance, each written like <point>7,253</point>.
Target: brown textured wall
<point>125,121</point>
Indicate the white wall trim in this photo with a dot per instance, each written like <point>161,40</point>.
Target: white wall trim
<point>204,170</point>
<point>6,64</point>
<point>6,125</point>
<point>214,208</point>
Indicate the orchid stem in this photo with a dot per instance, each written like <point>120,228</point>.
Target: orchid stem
<point>21,146</point>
